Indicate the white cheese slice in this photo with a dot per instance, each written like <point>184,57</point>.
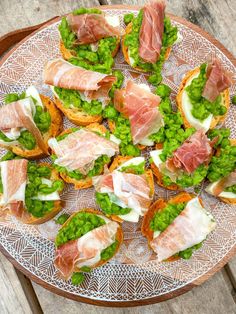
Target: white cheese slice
<point>187,108</point>
<point>47,197</point>
<point>131,60</point>
<point>13,133</point>
<point>134,161</point>
<point>155,154</point>
<point>210,188</point>
<point>32,91</point>
<point>113,20</point>
<point>132,216</point>
<point>156,234</point>
<point>146,142</point>
<point>114,139</point>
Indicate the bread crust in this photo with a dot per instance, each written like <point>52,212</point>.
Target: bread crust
<point>119,236</point>
<point>78,117</point>
<point>216,120</point>
<point>128,30</point>
<point>86,182</point>
<point>158,206</point>
<point>29,218</point>
<point>148,173</point>
<point>55,128</point>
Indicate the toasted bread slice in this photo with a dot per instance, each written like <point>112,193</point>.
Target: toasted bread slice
<point>55,128</point>
<point>217,119</point>
<point>29,218</point>
<point>86,182</point>
<point>119,236</point>
<point>125,49</point>
<point>119,160</point>
<point>77,116</point>
<point>231,201</point>
<point>67,53</point>
<point>158,206</point>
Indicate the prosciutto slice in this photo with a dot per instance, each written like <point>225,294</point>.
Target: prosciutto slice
<point>218,79</point>
<point>19,114</point>
<point>89,28</point>
<point>224,183</point>
<point>191,227</point>
<point>195,151</point>
<point>151,32</point>
<point>14,177</point>
<point>141,108</point>
<point>61,73</point>
<point>133,190</point>
<point>80,149</point>
<point>85,251</point>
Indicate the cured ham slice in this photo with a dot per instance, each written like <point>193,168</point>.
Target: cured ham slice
<point>191,227</point>
<point>195,151</point>
<point>19,114</point>
<point>151,32</point>
<point>85,251</point>
<point>218,80</point>
<point>89,28</point>
<point>133,190</point>
<point>61,73</point>
<point>80,149</point>
<point>14,177</point>
<point>224,183</point>
<point>141,108</point>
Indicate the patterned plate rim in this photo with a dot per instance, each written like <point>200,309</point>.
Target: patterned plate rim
<point>165,296</point>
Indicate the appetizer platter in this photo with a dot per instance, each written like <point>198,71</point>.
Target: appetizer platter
<point>118,160</point>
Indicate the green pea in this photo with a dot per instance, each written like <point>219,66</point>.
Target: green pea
<point>234,100</point>
<point>128,18</point>
<point>163,90</point>
<point>77,279</point>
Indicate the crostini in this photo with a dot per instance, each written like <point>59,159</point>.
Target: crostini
<point>29,191</point>
<point>222,174</point>
<point>90,39</point>
<point>175,229</point>
<point>80,94</point>
<point>148,39</point>
<point>203,98</point>
<point>27,121</point>
<point>185,165</point>
<point>94,241</point>
<point>126,191</point>
<point>81,153</point>
<point>138,116</point>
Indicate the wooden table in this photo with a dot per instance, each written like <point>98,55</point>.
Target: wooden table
<point>218,295</point>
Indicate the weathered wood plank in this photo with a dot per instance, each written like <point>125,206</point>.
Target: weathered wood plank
<point>13,299</point>
<point>216,17</point>
<point>21,13</point>
<point>231,271</point>
<point>214,296</point>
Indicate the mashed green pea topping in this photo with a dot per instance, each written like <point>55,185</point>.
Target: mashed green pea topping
<point>108,207</point>
<point>41,118</point>
<point>78,226</point>
<point>100,60</point>
<point>122,131</point>
<point>136,169</point>
<point>132,42</point>
<point>35,186</point>
<point>202,108</point>
<point>231,188</point>
<point>164,218</point>
<point>223,164</point>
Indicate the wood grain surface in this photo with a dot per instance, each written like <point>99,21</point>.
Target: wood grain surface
<point>216,295</point>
